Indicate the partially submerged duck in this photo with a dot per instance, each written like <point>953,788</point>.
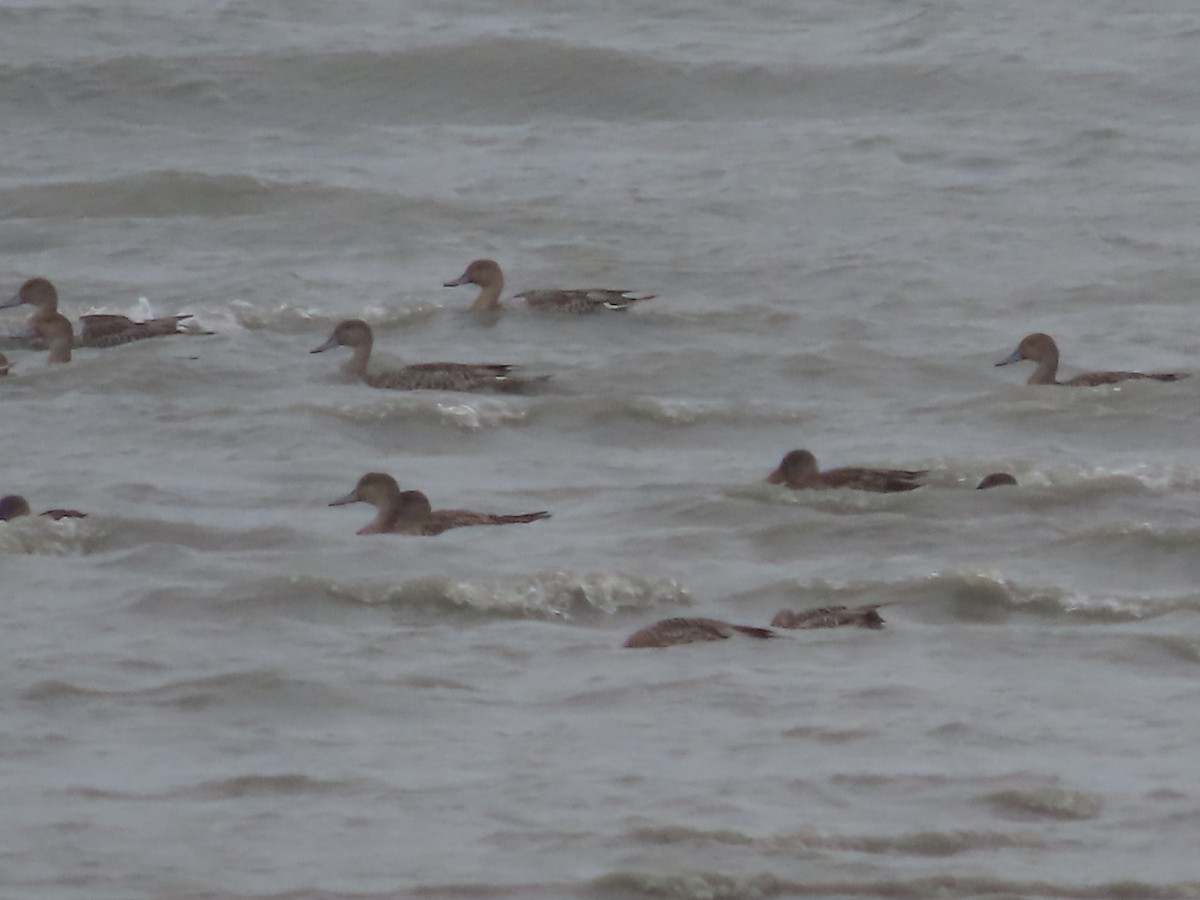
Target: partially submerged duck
<point>96,330</point>
<point>4,364</point>
<point>487,275</point>
<point>438,376</point>
<point>14,506</point>
<point>679,630</point>
<point>409,512</point>
<point>1041,349</point>
<point>798,470</point>
<point>829,617</point>
<point>996,479</point>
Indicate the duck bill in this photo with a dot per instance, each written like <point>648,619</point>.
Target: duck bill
<point>1013,357</point>
<point>457,282</point>
<point>14,300</point>
<point>776,477</point>
<point>351,497</point>
<point>328,345</point>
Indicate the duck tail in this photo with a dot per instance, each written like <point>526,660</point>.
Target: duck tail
<point>520,518</point>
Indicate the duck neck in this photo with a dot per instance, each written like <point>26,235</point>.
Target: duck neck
<point>1046,371</point>
<point>356,365</point>
<point>489,296</point>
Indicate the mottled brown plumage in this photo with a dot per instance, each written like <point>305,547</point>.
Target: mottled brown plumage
<point>798,470</point>
<point>487,275</point>
<point>96,330</point>
<point>669,632</point>
<point>409,512</point>
<point>829,617</point>
<point>1041,349</point>
<point>438,376</point>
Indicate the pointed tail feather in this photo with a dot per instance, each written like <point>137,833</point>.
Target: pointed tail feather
<point>519,518</point>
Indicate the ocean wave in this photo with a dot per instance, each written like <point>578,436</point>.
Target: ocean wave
<point>1045,803</point>
<point>549,595</point>
<point>291,318</point>
<point>164,193</point>
<point>497,79</point>
<point>42,536</point>
<point>920,843</point>
<point>471,412</point>
<point>974,596</point>
<point>708,885</point>
<point>561,595</point>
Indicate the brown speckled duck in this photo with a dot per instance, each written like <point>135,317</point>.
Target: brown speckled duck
<point>99,329</point>
<point>14,506</point>
<point>487,275</point>
<point>679,630</point>
<point>798,470</point>
<point>47,327</point>
<point>1041,349</point>
<point>409,512</point>
<point>829,617</point>
<point>437,376</point>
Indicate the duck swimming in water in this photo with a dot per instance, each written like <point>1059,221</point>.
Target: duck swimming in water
<point>14,506</point>
<point>829,617</point>
<point>1041,349</point>
<point>97,330</point>
<point>798,470</point>
<point>680,630</point>
<point>438,376</point>
<point>4,364</point>
<point>409,512</point>
<point>487,275</point>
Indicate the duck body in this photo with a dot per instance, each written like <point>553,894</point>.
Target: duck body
<point>96,330</point>
<point>486,274</point>
<point>409,512</point>
<point>111,330</point>
<point>1042,350</point>
<point>14,506</point>
<point>437,376</point>
<point>689,630</point>
<point>798,470</point>
<point>829,617</point>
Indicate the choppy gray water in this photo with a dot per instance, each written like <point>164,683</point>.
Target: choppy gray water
<point>849,211</point>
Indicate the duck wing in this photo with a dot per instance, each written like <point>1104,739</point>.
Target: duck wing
<point>1094,379</point>
<point>680,630</point>
<point>829,617</point>
<point>444,376</point>
<point>580,302</point>
<point>444,519</point>
<point>110,330</point>
<point>880,481</point>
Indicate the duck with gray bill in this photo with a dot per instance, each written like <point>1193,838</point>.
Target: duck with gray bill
<point>436,376</point>
<point>97,329</point>
<point>409,512</point>
<point>486,274</point>
<point>1042,350</point>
